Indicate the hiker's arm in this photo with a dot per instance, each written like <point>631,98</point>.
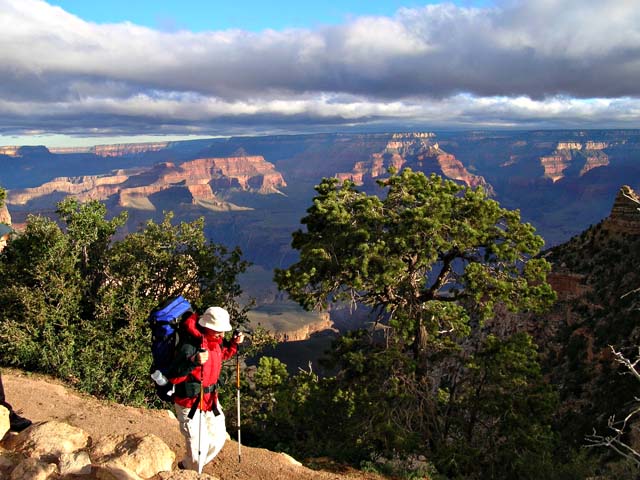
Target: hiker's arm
<point>184,362</point>
<point>230,349</point>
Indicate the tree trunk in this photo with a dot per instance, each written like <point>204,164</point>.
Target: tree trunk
<point>420,344</point>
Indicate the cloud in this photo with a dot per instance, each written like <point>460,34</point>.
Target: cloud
<point>519,63</point>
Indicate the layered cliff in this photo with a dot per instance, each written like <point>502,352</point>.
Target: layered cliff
<point>418,151</point>
<point>596,277</point>
<point>288,322</point>
<point>625,214</point>
<point>197,179</point>
<point>115,150</point>
<point>5,217</point>
<point>304,332</point>
<point>9,150</point>
<point>589,155</point>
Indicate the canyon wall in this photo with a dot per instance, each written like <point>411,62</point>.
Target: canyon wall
<point>5,217</point>
<point>418,151</point>
<point>591,155</point>
<point>9,150</point>
<point>305,331</point>
<point>115,150</point>
<point>625,214</point>
<point>132,188</point>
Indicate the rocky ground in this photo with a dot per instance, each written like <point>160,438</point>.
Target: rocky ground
<point>40,399</point>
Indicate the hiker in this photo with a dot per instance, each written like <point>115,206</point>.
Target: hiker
<point>16,422</point>
<point>195,372</point>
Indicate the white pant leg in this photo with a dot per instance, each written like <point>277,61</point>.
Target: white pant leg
<point>183,419</point>
<point>217,432</point>
<point>216,429</point>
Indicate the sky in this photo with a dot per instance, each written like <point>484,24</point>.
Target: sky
<point>77,72</point>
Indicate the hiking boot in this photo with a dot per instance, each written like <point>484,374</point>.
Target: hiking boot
<point>18,423</point>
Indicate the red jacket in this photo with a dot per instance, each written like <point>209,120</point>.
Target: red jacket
<point>185,370</point>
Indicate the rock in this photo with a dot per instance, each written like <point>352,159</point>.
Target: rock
<point>194,179</point>
<point>305,331</point>
<point>555,165</point>
<point>76,463</point>
<point>119,150</point>
<point>290,459</point>
<point>8,461</point>
<point>5,216</point>
<point>32,469</point>
<point>416,150</point>
<point>4,421</point>
<point>114,471</point>
<point>10,150</point>
<point>146,455</point>
<point>186,475</point>
<point>49,440</point>
<point>625,213</point>
<point>566,153</point>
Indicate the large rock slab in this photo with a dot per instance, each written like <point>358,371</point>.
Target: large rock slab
<point>33,469</point>
<point>114,471</point>
<point>8,461</point>
<point>146,455</point>
<point>186,475</point>
<point>75,463</point>
<point>47,441</point>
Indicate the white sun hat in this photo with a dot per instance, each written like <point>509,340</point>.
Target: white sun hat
<point>215,318</point>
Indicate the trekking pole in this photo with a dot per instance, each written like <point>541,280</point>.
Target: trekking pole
<point>238,402</point>
<point>201,406</point>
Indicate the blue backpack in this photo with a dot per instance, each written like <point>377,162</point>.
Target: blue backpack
<point>165,322</point>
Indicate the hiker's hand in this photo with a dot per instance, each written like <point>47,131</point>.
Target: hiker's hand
<point>201,357</point>
<point>239,338</point>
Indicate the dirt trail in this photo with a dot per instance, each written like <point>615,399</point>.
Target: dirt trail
<point>41,398</point>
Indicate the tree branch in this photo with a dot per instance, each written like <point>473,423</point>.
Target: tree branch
<point>447,260</point>
<point>619,428</point>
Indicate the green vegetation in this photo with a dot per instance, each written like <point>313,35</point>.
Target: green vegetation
<point>431,257</point>
<point>442,387</point>
<point>75,300</point>
<point>589,378</point>
<point>433,261</point>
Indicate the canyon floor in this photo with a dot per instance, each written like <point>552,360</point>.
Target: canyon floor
<point>41,398</point>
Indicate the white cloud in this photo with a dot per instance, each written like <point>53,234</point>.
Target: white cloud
<point>518,63</point>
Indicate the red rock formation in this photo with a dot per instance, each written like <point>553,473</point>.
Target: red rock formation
<point>596,145</point>
<point>415,150</point>
<point>454,169</point>
<point>373,168</point>
<point>5,217</point>
<point>513,159</point>
<point>568,285</point>
<point>202,191</point>
<point>554,165</point>
<point>569,146</point>
<point>133,187</point>
<point>625,214</point>
<point>594,159</point>
<point>567,152</point>
<point>249,172</point>
<point>304,332</point>
<point>116,150</point>
<point>412,135</point>
<point>10,150</point>
<point>66,150</point>
<point>85,188</point>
